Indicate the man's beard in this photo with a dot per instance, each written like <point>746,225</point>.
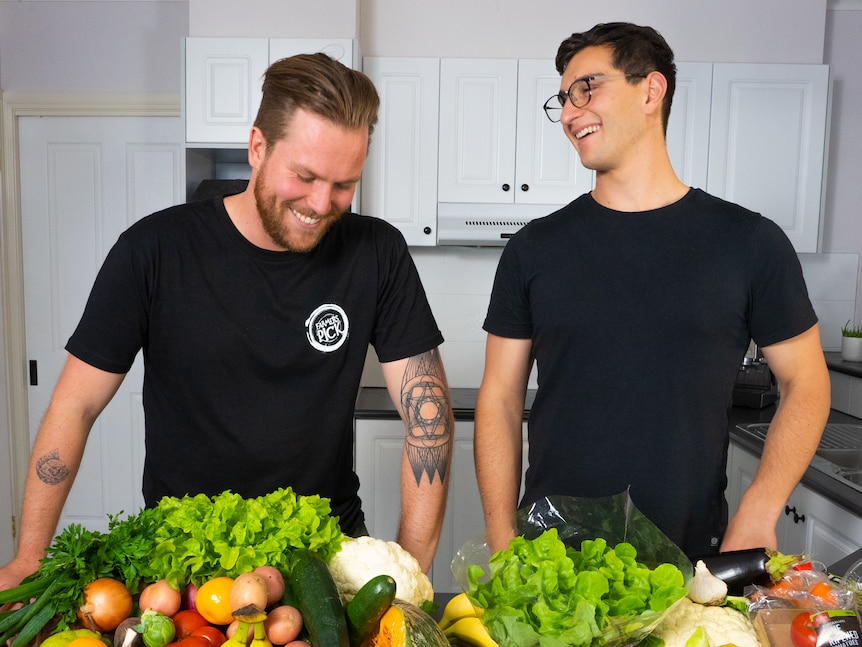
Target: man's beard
<point>274,214</point>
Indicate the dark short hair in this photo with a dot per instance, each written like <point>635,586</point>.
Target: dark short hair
<point>317,83</point>
<point>635,50</point>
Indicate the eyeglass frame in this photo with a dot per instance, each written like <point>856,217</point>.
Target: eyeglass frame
<point>562,95</point>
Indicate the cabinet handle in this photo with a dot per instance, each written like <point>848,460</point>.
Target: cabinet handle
<point>506,187</point>
<point>525,187</point>
<point>797,518</point>
<point>426,230</point>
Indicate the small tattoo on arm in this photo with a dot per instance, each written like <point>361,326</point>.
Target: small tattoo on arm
<point>50,469</point>
<point>425,401</point>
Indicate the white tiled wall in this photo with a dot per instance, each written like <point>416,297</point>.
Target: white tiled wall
<point>831,281</point>
<point>846,393</point>
<point>458,282</point>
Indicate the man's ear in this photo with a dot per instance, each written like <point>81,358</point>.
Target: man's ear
<point>656,89</point>
<point>256,147</point>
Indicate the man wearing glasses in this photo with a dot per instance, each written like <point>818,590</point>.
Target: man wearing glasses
<point>637,302</point>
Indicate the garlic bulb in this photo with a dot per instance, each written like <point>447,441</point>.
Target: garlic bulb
<point>704,587</point>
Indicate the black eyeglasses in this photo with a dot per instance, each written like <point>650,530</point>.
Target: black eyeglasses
<point>579,93</point>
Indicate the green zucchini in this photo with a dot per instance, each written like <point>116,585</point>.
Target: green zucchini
<point>318,601</point>
<point>368,606</point>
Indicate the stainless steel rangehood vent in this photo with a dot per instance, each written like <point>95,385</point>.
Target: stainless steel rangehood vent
<point>484,225</point>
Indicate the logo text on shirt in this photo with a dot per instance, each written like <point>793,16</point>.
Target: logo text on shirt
<point>327,327</point>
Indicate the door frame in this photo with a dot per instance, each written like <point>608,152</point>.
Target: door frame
<point>15,422</point>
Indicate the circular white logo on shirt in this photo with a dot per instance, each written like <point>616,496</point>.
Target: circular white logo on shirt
<point>327,327</point>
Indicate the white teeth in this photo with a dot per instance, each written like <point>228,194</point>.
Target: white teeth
<point>586,131</point>
<point>308,220</point>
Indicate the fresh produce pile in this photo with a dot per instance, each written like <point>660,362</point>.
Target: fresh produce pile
<point>202,572</point>
<point>541,592</point>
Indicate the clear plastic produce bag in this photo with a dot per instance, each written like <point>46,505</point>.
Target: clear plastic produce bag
<point>614,519</point>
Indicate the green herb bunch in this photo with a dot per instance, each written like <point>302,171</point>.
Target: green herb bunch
<point>851,331</point>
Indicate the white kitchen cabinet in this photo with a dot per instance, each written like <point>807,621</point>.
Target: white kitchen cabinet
<point>222,87</point>
<point>688,126</point>
<point>378,463</point>
<point>223,79</point>
<point>496,144</point>
<point>755,134</point>
<point>811,524</point>
<point>399,181</point>
<point>767,143</point>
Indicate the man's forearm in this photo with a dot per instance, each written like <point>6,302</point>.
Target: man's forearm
<point>425,406</point>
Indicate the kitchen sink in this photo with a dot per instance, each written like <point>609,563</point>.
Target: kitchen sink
<point>850,459</point>
<point>839,453</point>
<point>836,435</point>
<point>853,477</point>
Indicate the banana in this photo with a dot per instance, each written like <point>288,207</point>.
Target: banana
<point>458,607</point>
<point>471,631</point>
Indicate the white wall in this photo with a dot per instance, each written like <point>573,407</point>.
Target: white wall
<point>765,31</point>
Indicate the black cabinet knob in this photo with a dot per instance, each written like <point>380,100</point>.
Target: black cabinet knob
<point>426,230</point>
<point>797,518</point>
<point>525,187</point>
<point>506,187</point>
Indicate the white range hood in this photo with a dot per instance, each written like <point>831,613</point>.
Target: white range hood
<point>485,225</point>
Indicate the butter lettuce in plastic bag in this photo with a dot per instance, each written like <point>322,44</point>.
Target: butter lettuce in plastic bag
<point>583,572</point>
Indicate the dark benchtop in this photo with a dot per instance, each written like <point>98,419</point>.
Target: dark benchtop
<point>373,403</point>
<point>836,363</point>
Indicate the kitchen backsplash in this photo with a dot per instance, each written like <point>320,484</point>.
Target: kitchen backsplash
<point>458,282</point>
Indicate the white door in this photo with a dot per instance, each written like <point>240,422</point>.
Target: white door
<point>399,181</point>
<point>478,111</point>
<point>767,140</point>
<point>547,168</point>
<point>83,181</point>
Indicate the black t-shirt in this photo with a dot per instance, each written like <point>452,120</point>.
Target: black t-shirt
<point>639,322</point>
<point>253,358</point>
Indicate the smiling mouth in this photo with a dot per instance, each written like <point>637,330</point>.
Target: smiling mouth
<point>307,220</point>
<point>586,131</point>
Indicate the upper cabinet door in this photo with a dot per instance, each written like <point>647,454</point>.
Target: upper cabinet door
<point>547,168</point>
<point>399,181</point>
<point>223,78</point>
<point>688,126</point>
<point>767,143</point>
<point>478,112</point>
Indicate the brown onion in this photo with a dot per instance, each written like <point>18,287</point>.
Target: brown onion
<point>107,602</point>
<point>160,596</point>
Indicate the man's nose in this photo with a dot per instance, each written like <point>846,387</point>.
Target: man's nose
<point>320,198</point>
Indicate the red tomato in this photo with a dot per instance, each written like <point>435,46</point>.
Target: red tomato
<point>186,621</point>
<point>802,633</point>
<point>215,637</point>
<point>191,641</point>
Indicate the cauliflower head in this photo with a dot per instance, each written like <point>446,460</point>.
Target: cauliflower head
<point>722,625</point>
<point>363,558</point>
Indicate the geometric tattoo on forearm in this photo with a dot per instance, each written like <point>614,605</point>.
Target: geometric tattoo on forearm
<point>50,469</point>
<point>426,407</point>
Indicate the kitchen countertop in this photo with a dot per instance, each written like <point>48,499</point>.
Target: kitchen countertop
<point>836,363</point>
<point>374,403</point>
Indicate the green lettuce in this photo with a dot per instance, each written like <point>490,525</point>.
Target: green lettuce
<point>200,537</point>
<point>540,592</point>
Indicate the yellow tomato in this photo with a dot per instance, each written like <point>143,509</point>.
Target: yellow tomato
<point>213,600</point>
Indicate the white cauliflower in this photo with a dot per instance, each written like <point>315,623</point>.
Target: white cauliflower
<point>723,625</point>
<point>363,558</point>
